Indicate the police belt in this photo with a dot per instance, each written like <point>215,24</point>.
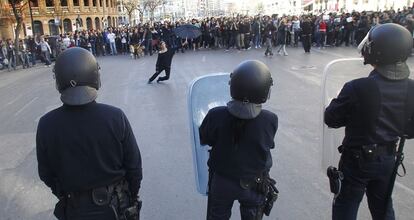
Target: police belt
<point>99,196</point>
<point>375,149</point>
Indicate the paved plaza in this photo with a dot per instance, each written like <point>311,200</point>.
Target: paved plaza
<point>159,118</point>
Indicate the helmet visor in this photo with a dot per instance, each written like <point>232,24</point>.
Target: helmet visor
<point>364,43</point>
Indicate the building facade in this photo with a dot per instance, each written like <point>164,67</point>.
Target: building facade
<point>53,17</point>
<point>359,5</point>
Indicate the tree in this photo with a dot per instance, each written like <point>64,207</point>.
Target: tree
<point>14,10</point>
<point>151,5</point>
<point>260,8</point>
<point>130,6</point>
<point>59,14</point>
<point>140,9</point>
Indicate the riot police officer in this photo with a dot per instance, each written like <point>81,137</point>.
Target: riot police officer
<point>375,111</point>
<point>241,135</point>
<point>87,153</point>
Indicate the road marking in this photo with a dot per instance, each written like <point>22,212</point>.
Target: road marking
<point>309,67</point>
<point>407,189</point>
<point>329,53</point>
<point>48,109</point>
<point>25,106</point>
<point>308,77</point>
<point>14,100</point>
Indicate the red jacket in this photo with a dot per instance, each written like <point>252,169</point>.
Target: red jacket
<point>322,27</point>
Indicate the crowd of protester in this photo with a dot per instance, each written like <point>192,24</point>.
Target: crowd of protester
<point>240,32</point>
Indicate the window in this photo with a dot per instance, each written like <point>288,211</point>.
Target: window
<point>37,28</point>
<point>75,2</point>
<point>97,23</point>
<point>67,25</point>
<point>53,28</point>
<point>86,2</point>
<point>89,23</point>
<point>63,3</point>
<point>94,3</point>
<point>106,3</point>
<point>34,3</point>
<point>100,3</point>
<point>49,3</point>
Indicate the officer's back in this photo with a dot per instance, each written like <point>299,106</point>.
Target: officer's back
<point>85,145</point>
<point>87,153</point>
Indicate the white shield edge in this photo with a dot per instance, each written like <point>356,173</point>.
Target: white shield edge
<point>330,138</point>
<point>200,152</point>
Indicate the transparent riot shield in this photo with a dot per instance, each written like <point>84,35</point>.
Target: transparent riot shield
<point>335,75</point>
<point>205,93</point>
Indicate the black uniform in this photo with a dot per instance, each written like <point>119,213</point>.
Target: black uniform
<point>163,64</point>
<point>306,27</point>
<point>240,153</point>
<point>375,112</point>
<point>84,147</point>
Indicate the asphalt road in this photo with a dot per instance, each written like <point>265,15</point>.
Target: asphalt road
<point>159,117</point>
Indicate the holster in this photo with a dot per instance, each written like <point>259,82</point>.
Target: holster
<point>271,196</point>
<point>335,179</point>
<point>123,205</point>
<point>133,212</point>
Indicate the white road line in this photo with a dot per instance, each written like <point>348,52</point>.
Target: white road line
<point>407,189</point>
<point>306,76</point>
<point>14,100</point>
<point>25,106</point>
<point>48,109</point>
<point>330,53</point>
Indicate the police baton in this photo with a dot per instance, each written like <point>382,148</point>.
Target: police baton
<point>398,161</point>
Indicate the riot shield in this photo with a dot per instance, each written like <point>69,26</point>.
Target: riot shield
<point>335,75</point>
<point>205,93</point>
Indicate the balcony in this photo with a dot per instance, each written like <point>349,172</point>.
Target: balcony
<point>65,9</point>
<point>76,9</point>
<point>50,10</point>
<point>35,11</point>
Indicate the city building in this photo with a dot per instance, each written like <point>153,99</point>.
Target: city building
<point>280,7</point>
<point>358,5</point>
<point>52,17</point>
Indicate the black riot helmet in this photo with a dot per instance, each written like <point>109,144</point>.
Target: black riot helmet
<point>386,44</point>
<point>250,82</point>
<point>77,76</point>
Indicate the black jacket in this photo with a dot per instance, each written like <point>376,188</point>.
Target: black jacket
<point>165,59</point>
<point>243,156</point>
<point>373,110</point>
<point>83,147</point>
<point>306,27</point>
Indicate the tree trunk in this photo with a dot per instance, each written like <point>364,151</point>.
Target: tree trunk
<point>141,17</point>
<point>130,18</point>
<point>152,16</point>
<point>18,27</point>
